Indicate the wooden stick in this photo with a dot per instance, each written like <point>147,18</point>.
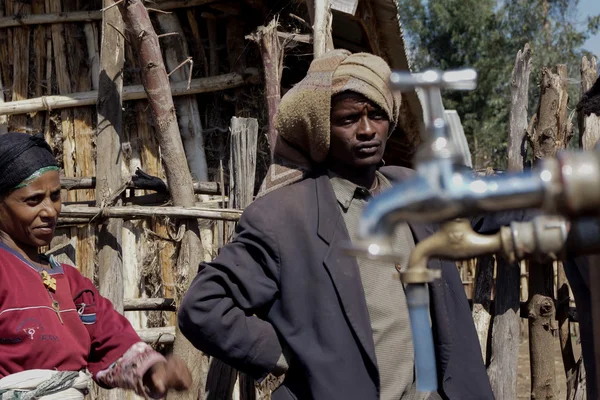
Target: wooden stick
<point>90,183</point>
<point>164,335</point>
<point>138,212</point>
<point>322,39</point>
<point>79,16</point>
<point>589,126</point>
<point>271,52</point>
<point>519,86</point>
<point>136,92</point>
<point>149,304</point>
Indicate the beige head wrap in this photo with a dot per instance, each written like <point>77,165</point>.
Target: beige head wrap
<point>303,118</point>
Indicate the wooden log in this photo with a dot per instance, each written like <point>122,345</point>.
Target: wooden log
<point>519,86</point>
<point>506,328</point>
<point>365,15</point>
<point>482,301</point>
<point>156,83</point>
<point>211,28</point>
<point>200,85</point>
<point>137,212</point>
<point>197,46</point>
<point>164,335</point>
<point>321,18</point>
<point>149,304</point>
<point>552,130</point>
<point>550,134</point>
<point>87,16</point>
<point>90,183</point>
<point>242,161</point>
<point>108,143</point>
<point>271,53</point>
<point>188,114</point>
<point>589,125</point>
<point>242,172</point>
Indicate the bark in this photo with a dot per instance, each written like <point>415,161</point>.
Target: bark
<point>156,84</point>
<point>272,54</point>
<point>137,212</point>
<point>553,130</point>
<point>519,86</point>
<point>108,142</point>
<point>505,331</point>
<point>589,125</point>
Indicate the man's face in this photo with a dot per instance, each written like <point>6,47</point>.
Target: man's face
<point>359,131</point>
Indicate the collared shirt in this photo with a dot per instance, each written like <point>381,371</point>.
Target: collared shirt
<point>384,294</point>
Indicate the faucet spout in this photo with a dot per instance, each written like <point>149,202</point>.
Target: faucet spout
<point>456,240</point>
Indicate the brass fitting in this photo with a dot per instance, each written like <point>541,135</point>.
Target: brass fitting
<point>456,240</point>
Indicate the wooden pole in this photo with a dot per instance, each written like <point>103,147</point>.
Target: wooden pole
<point>589,125</point>
<point>506,329</point>
<point>136,92</point>
<point>271,53</point>
<point>482,299</point>
<point>90,183</point>
<point>156,84</point>
<point>322,19</point>
<point>519,86</point>
<point>551,133</point>
<point>20,19</point>
<point>21,43</point>
<point>137,212</point>
<point>108,163</point>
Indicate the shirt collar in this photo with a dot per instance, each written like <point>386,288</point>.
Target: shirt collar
<point>346,191</point>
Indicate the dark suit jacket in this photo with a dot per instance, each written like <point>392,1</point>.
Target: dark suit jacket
<point>285,280</point>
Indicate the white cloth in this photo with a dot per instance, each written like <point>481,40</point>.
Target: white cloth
<point>28,381</point>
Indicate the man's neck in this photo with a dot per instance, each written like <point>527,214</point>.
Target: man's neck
<point>360,177</point>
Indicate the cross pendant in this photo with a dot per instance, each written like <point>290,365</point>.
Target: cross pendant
<point>48,281</point>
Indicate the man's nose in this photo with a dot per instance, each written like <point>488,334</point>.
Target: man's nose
<point>365,126</point>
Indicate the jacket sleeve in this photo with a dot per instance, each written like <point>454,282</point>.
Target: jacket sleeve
<point>492,222</point>
<point>221,312</point>
<point>110,333</point>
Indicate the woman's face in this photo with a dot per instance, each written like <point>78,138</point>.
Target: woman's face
<point>29,215</point>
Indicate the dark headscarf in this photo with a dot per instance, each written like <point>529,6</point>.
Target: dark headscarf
<point>21,156</point>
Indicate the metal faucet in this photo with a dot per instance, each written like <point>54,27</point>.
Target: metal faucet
<point>441,189</point>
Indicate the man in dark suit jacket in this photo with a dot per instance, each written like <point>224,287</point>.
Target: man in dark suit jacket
<point>284,297</point>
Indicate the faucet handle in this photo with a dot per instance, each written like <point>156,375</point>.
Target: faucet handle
<point>463,79</point>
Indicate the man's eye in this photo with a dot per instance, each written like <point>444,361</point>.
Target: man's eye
<point>378,116</point>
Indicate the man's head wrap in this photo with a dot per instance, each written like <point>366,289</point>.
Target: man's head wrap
<point>22,157</point>
<point>303,119</point>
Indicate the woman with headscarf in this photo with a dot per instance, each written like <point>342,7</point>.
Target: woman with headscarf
<point>55,328</point>
<point>284,297</point>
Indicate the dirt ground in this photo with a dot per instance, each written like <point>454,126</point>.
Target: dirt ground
<point>524,377</point>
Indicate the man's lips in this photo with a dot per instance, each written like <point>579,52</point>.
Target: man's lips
<point>368,148</point>
<point>45,228</point>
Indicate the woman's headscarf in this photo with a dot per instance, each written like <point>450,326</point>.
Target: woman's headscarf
<point>23,157</point>
<point>303,118</point>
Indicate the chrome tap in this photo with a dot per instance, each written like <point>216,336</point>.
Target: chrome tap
<point>441,189</point>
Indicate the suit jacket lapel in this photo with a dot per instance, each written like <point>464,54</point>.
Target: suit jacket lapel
<point>343,268</point>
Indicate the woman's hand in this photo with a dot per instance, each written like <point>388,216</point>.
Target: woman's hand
<point>163,376</point>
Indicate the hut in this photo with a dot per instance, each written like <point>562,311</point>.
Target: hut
<point>226,59</point>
